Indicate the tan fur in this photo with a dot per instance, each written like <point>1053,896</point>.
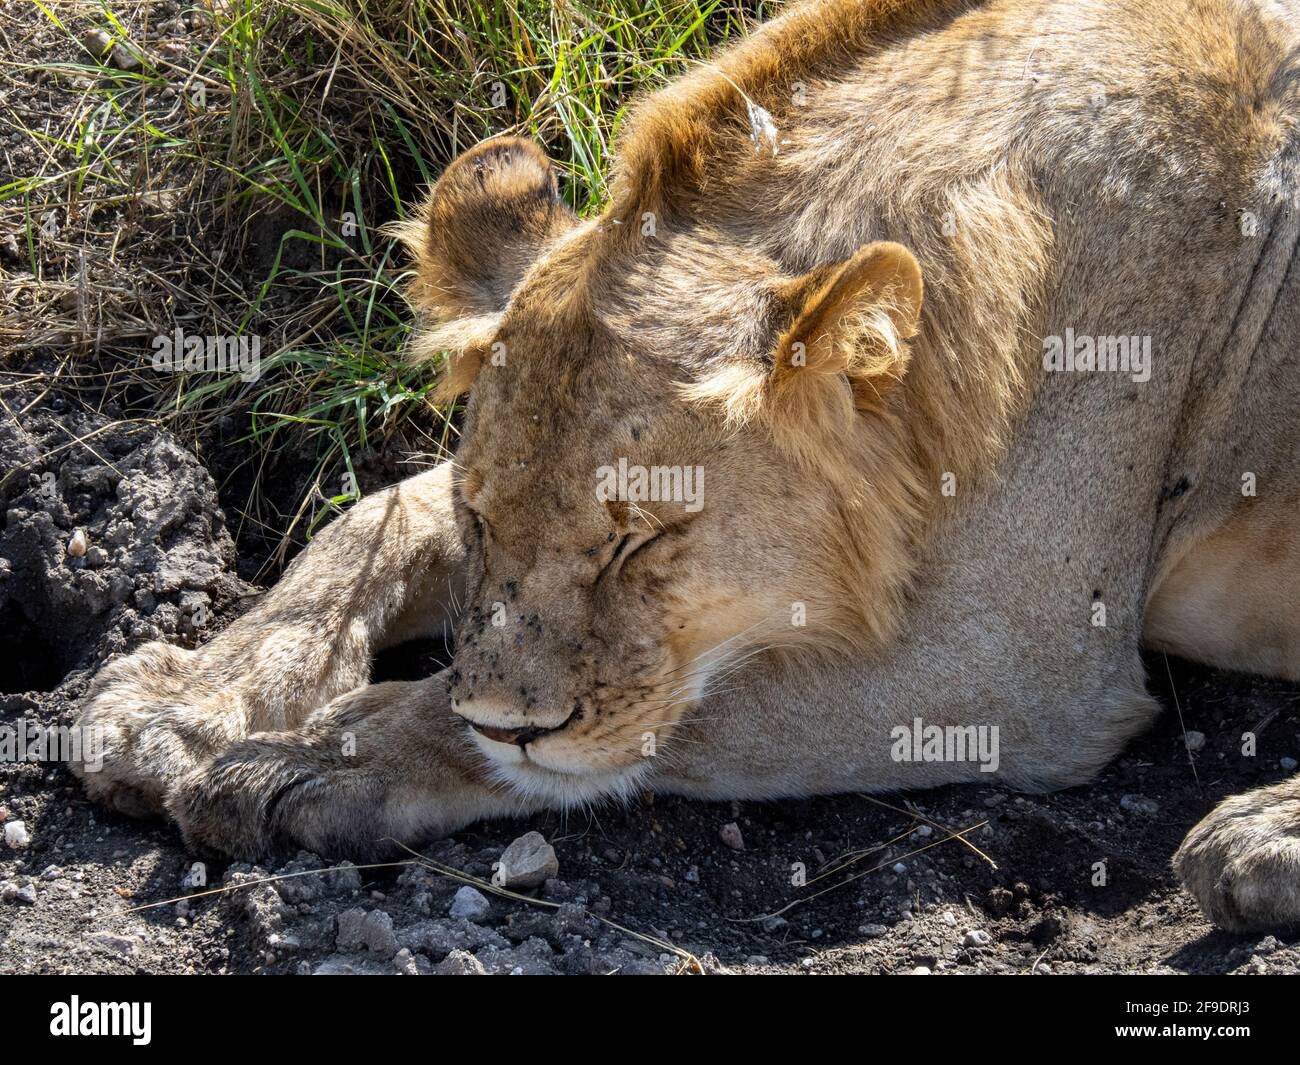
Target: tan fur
<point>827,274</point>
<point>1231,600</point>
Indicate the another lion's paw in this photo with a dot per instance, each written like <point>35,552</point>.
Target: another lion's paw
<point>1242,862</point>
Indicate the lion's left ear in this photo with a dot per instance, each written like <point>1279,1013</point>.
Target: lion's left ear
<point>486,221</point>
<point>850,322</point>
<point>489,217</point>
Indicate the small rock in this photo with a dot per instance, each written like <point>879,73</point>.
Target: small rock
<point>469,903</point>
<point>1140,804</point>
<point>97,42</point>
<point>949,918</point>
<point>339,965</point>
<point>692,875</point>
<point>106,49</point>
<point>1267,945</point>
<point>873,931</point>
<point>16,834</point>
<point>1194,740</point>
<point>528,863</point>
<point>1287,763</point>
<point>921,970</point>
<point>377,932</point>
<point>124,57</point>
<point>78,543</point>
<point>372,930</point>
<point>460,963</point>
<point>730,835</point>
<point>976,937</point>
<point>124,946</point>
<point>24,893</point>
<point>351,930</point>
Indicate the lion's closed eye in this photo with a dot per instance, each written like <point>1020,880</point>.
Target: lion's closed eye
<point>631,545</point>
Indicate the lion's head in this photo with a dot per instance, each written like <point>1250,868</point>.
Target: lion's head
<point>673,455</point>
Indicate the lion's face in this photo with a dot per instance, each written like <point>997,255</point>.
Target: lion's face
<point>632,532</point>
<point>622,549</point>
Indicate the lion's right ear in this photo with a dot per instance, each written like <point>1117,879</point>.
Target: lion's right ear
<point>485,222</point>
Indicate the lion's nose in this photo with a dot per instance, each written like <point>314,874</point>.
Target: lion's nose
<point>521,737</point>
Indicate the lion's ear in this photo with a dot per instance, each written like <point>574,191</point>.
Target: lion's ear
<point>486,221</point>
<point>840,347</point>
<point>850,322</point>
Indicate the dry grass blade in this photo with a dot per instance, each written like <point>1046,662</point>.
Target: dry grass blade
<point>858,876</point>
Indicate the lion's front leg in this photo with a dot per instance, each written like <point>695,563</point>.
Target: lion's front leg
<point>381,766</point>
<point>1242,861</point>
<point>388,568</point>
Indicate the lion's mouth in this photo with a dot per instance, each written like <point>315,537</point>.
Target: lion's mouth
<point>520,737</point>
<point>515,735</point>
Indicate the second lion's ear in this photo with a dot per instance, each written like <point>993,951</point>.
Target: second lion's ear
<point>485,222</point>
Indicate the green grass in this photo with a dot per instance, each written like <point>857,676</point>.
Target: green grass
<point>272,120</point>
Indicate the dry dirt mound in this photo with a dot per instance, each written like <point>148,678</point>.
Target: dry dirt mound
<point>112,535</point>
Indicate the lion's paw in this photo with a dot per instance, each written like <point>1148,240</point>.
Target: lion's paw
<point>1242,861</point>
<point>144,726</point>
<point>277,791</point>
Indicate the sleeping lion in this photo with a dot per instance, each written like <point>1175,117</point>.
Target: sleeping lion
<point>926,362</point>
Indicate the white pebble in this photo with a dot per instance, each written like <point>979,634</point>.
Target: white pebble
<point>78,544</point>
<point>16,834</point>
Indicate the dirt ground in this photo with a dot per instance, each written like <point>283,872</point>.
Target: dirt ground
<point>658,886</point>
<point>887,891</point>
